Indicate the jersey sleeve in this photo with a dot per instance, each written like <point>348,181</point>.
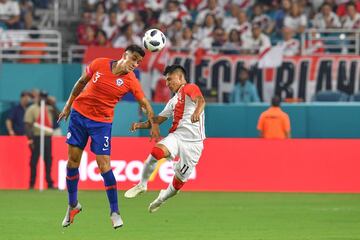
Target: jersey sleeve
<point>136,89</point>
<point>192,91</point>
<point>92,67</point>
<point>167,111</point>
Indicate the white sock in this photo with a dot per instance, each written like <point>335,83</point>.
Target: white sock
<point>168,193</point>
<point>149,167</point>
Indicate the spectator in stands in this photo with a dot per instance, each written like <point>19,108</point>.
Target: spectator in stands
<point>314,45</point>
<point>244,90</point>
<point>32,129</point>
<point>188,41</point>
<point>83,34</point>
<point>124,15</point>
<point>341,10</point>
<point>274,123</point>
<point>280,14</point>
<point>233,44</point>
<point>101,39</point>
<point>110,25</point>
<point>9,14</point>
<point>172,12</point>
<point>174,31</point>
<point>126,38</point>
<point>138,24</point>
<point>219,38</point>
<point>99,15</point>
<point>352,18</point>
<point>307,8</point>
<point>326,18</point>
<point>206,30</point>
<point>15,121</point>
<point>261,19</point>
<point>291,45</point>
<point>90,36</point>
<point>243,26</point>
<point>26,13</point>
<point>37,48</point>
<point>212,8</point>
<point>230,20</point>
<point>295,20</point>
<point>256,41</point>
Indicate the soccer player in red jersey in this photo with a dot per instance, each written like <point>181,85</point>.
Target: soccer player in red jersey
<point>185,138</point>
<point>91,109</point>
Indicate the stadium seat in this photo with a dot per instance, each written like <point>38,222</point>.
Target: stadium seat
<point>330,96</point>
<point>355,97</point>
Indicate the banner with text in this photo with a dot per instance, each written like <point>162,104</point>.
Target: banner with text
<point>296,165</point>
<point>297,77</point>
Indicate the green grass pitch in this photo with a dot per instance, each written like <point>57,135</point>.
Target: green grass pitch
<point>189,215</point>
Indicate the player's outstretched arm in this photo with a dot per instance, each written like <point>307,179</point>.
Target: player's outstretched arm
<point>77,89</point>
<point>155,131</point>
<point>200,105</point>
<point>146,125</point>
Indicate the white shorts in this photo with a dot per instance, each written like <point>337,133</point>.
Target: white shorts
<point>188,152</point>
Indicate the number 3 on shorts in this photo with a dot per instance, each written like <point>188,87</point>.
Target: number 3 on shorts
<point>106,144</point>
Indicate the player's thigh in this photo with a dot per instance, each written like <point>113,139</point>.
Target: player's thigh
<point>77,134</point>
<point>189,153</point>
<point>100,134</point>
<point>170,145</point>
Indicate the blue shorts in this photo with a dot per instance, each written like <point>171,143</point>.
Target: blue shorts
<point>81,128</point>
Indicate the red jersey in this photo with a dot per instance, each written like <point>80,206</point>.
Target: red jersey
<point>98,99</point>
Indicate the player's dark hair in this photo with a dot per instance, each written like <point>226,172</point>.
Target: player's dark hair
<point>172,68</point>
<point>275,101</point>
<point>135,48</point>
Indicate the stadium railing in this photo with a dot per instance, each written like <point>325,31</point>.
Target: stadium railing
<point>332,41</point>
<point>76,53</point>
<point>11,48</point>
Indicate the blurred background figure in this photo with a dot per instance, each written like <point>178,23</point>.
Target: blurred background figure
<point>37,51</point>
<point>15,120</point>
<point>244,90</point>
<point>32,128</point>
<point>9,14</point>
<point>274,123</point>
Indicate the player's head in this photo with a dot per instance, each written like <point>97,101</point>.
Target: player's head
<point>175,76</point>
<point>132,57</point>
<point>275,101</point>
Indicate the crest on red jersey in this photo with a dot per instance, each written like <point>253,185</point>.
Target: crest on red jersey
<point>119,82</point>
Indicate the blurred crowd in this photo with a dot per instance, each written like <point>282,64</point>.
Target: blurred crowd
<point>19,14</point>
<point>232,26</point>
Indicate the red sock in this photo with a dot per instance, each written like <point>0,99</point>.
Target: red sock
<point>177,184</point>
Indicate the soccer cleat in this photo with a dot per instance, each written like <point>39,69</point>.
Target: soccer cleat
<point>116,220</point>
<point>70,214</point>
<point>134,191</point>
<point>155,205</point>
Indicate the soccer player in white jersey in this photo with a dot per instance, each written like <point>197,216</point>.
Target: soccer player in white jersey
<point>185,137</point>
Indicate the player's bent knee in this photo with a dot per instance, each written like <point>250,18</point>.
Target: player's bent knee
<point>157,153</point>
<point>177,184</point>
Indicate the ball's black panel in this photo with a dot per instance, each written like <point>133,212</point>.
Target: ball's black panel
<point>154,43</point>
<point>153,32</point>
<point>145,45</point>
